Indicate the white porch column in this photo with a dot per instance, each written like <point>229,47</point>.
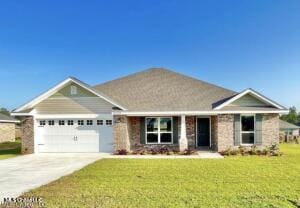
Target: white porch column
<point>183,143</point>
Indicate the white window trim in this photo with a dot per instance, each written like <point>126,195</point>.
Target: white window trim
<point>158,131</point>
<point>247,132</point>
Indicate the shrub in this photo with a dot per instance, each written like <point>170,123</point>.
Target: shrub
<point>188,152</point>
<point>253,150</point>
<point>122,152</point>
<point>164,150</point>
<point>274,150</point>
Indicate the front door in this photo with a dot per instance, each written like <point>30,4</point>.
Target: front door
<point>203,132</point>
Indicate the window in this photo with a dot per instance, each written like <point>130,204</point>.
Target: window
<point>159,130</point>
<point>108,122</point>
<point>61,122</point>
<point>70,122</point>
<point>100,122</point>
<point>89,122</point>
<point>42,123</point>
<point>247,129</point>
<point>80,123</point>
<point>51,122</point>
<point>73,90</point>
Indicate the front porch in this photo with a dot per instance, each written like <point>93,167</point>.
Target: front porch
<point>211,132</point>
<point>185,132</point>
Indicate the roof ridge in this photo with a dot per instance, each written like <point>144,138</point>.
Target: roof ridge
<point>131,75</point>
<point>165,70</point>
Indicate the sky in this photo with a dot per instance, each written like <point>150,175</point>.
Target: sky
<point>236,44</point>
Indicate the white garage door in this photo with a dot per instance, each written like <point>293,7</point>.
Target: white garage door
<point>74,135</point>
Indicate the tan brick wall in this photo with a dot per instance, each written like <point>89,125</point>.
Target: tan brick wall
<point>121,133</point>
<point>27,135</point>
<point>135,132</point>
<point>7,132</point>
<point>225,132</point>
<point>214,132</point>
<point>190,122</point>
<point>270,129</point>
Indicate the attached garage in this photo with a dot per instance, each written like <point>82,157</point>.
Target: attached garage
<point>74,135</point>
<point>69,118</point>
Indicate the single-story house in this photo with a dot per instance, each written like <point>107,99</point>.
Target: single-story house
<point>150,108</point>
<point>288,128</point>
<point>7,128</point>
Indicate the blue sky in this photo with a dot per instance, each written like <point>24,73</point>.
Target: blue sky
<point>235,44</point>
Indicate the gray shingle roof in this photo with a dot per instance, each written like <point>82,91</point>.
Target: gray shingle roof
<point>159,89</point>
<point>7,118</point>
<point>287,125</point>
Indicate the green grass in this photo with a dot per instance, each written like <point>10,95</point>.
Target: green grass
<point>250,181</point>
<point>10,149</point>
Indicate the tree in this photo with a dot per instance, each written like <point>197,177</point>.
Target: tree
<point>292,116</point>
<point>4,111</point>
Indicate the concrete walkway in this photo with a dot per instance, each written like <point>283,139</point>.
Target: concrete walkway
<point>23,173</point>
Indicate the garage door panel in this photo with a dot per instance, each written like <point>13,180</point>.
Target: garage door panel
<point>74,138</point>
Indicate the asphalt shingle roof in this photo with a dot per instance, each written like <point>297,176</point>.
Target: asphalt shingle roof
<point>287,125</point>
<point>6,118</point>
<point>159,89</point>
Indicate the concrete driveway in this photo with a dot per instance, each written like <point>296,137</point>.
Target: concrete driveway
<point>23,173</point>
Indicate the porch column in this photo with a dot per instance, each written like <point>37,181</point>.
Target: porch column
<point>183,143</point>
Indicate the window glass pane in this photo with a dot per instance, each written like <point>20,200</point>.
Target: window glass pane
<point>166,138</point>
<point>152,124</point>
<point>61,122</point>
<point>247,123</point>
<point>248,138</point>
<point>89,122</point>
<point>152,138</point>
<point>165,124</point>
<point>108,122</point>
<point>99,122</point>
<point>80,122</point>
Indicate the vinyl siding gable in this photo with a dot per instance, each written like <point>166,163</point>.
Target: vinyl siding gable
<point>77,105</point>
<point>66,92</point>
<point>248,101</point>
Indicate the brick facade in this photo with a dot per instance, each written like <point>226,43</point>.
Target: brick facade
<point>225,132</point>
<point>191,131</point>
<point>127,132</point>
<point>121,133</point>
<point>27,135</point>
<point>270,129</point>
<point>7,132</point>
<point>214,132</point>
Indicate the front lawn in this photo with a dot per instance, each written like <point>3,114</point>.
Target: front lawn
<point>10,149</point>
<point>250,181</point>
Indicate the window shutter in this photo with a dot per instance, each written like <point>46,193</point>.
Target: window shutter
<point>175,130</point>
<point>258,129</point>
<point>142,132</point>
<point>237,129</point>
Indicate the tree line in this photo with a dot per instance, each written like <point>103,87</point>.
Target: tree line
<point>292,117</point>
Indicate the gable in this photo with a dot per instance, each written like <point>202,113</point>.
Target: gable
<point>63,91</point>
<point>66,92</point>
<point>249,98</point>
<point>249,101</point>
